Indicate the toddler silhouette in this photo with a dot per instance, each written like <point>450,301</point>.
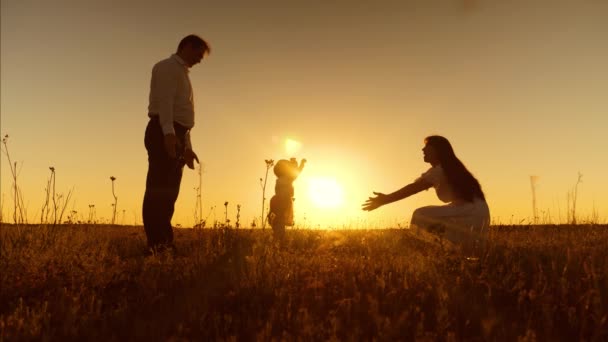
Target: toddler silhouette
<point>281,204</point>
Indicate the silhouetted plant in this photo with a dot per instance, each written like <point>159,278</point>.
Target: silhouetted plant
<point>572,198</point>
<point>533,181</point>
<point>269,165</point>
<point>198,206</point>
<point>19,210</point>
<point>211,211</point>
<point>226,219</point>
<point>198,215</point>
<point>72,217</point>
<point>112,178</point>
<point>46,209</point>
<point>59,202</point>
<point>203,222</point>
<point>238,216</point>
<point>54,199</point>
<point>91,213</point>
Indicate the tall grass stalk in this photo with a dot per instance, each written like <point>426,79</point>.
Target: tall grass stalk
<point>46,209</point>
<point>198,206</point>
<point>533,181</point>
<point>60,203</point>
<point>19,209</point>
<point>92,218</point>
<point>237,224</point>
<point>269,165</point>
<point>226,219</point>
<point>54,196</point>
<point>112,178</point>
<point>572,199</point>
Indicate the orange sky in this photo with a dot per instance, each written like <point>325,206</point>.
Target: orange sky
<point>518,87</point>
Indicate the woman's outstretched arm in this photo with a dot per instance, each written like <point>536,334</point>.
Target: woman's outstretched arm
<point>381,199</point>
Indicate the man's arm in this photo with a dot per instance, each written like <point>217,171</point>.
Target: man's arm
<point>187,141</point>
<point>162,91</point>
<point>189,155</point>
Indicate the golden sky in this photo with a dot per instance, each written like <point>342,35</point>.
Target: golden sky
<point>518,87</point>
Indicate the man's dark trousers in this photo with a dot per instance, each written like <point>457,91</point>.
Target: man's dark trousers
<point>162,185</point>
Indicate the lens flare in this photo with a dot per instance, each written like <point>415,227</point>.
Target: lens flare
<point>292,146</point>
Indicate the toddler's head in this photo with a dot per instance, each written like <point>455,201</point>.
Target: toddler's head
<point>286,169</point>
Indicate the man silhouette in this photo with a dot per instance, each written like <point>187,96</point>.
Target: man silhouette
<point>167,139</point>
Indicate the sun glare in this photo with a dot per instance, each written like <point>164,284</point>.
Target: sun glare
<point>292,146</point>
<point>325,192</point>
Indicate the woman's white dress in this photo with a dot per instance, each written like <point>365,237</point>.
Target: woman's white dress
<point>461,220</point>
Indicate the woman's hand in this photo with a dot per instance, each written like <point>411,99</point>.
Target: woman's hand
<point>375,202</point>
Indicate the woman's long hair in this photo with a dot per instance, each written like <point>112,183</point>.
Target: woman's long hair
<point>463,183</point>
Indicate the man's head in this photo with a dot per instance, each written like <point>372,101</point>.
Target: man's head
<point>192,49</point>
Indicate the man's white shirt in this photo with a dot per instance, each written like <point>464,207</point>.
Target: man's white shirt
<point>171,96</point>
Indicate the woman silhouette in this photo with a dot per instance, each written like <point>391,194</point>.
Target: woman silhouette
<point>466,217</point>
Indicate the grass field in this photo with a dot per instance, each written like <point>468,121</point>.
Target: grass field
<point>94,283</point>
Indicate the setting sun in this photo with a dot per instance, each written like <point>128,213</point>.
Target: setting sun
<point>325,192</point>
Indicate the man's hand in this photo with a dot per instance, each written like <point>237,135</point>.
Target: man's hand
<point>171,145</point>
<point>190,157</point>
<point>375,202</point>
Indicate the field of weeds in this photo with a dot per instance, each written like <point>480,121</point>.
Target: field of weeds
<point>94,283</point>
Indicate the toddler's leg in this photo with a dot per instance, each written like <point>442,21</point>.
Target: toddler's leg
<point>278,228</point>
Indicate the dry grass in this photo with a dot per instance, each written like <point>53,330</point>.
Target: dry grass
<point>93,283</point>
